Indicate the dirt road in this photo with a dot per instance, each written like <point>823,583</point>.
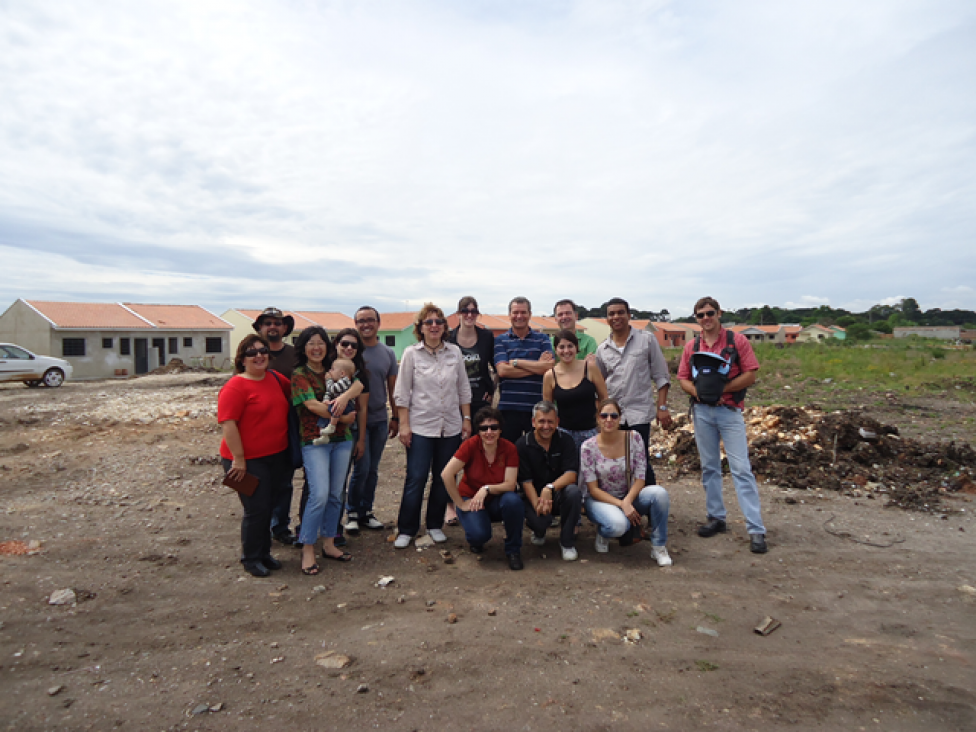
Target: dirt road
<point>117,483</point>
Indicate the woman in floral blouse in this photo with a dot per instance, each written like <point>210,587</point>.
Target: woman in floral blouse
<point>614,503</point>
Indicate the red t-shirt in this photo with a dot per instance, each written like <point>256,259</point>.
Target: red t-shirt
<point>477,472</point>
<point>746,360</point>
<point>261,412</point>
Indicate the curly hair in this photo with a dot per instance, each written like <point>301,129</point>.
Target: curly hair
<point>426,311</point>
<point>247,342</point>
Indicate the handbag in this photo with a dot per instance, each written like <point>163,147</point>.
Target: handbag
<point>294,430</point>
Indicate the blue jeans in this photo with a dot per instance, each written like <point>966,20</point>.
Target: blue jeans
<point>365,471</point>
<point>507,508</point>
<point>325,468</point>
<point>425,456</point>
<point>711,425</point>
<point>653,501</point>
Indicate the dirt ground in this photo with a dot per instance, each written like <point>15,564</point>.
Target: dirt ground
<point>114,492</point>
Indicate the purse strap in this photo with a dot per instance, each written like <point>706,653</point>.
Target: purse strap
<point>627,458</point>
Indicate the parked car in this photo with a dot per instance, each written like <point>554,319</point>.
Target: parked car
<point>19,364</point>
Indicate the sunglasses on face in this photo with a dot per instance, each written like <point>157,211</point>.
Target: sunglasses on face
<point>434,321</point>
<point>469,311</point>
<point>489,428</point>
<point>705,314</point>
<point>252,352</point>
<point>271,323</point>
<point>609,415</point>
<point>348,344</point>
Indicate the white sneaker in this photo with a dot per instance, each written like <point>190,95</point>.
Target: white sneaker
<point>371,522</point>
<point>602,545</point>
<point>538,540</point>
<point>569,553</point>
<point>660,553</point>
<point>437,535</point>
<point>402,541</point>
<point>352,526</point>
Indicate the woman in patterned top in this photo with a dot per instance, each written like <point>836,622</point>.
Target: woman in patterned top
<point>616,496</point>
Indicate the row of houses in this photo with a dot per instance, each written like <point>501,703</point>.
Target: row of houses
<point>123,339</point>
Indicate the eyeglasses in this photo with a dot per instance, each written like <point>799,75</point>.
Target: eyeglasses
<point>366,321</point>
<point>705,314</point>
<point>469,311</point>
<point>348,344</point>
<point>434,321</point>
<point>609,415</point>
<point>252,352</point>
<point>489,428</point>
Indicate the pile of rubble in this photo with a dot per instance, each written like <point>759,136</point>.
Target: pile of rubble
<point>805,448</point>
<point>178,366</point>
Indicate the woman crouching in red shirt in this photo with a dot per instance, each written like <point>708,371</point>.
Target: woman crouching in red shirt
<point>487,490</point>
<point>253,412</point>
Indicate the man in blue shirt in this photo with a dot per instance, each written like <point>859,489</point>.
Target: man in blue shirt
<point>522,357</point>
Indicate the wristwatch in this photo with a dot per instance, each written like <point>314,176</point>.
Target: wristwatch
<point>550,487</point>
<point>515,362</point>
<point>663,408</point>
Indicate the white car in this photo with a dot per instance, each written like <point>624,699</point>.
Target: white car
<point>19,364</point>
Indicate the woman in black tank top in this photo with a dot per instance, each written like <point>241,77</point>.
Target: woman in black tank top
<point>575,386</point>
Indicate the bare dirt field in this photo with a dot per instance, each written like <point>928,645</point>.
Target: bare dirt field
<point>112,490</point>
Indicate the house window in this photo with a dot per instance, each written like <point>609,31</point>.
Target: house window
<point>187,343</point>
<point>73,347</point>
<point>174,345</point>
<point>108,342</point>
<point>125,347</point>
<point>214,345</point>
<point>391,341</point>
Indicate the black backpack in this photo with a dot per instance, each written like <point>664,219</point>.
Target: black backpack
<point>710,371</point>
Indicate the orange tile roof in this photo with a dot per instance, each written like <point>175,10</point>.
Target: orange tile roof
<point>397,321</point>
<point>179,317</point>
<point>106,315</point>
<point>329,321</point>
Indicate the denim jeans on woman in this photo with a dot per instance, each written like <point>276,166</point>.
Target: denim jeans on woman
<point>507,508</point>
<point>325,468</point>
<point>653,501</point>
<point>365,471</point>
<point>425,456</point>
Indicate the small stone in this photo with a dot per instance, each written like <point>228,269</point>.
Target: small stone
<point>401,599</point>
<point>385,581</point>
<point>452,618</point>
<point>217,707</point>
<point>63,597</point>
<point>431,603</point>
<point>331,659</point>
<point>55,690</point>
<point>633,636</point>
<point>707,631</point>
<point>493,611</point>
<point>362,688</point>
<point>967,589</point>
<point>200,709</point>
<point>423,542</point>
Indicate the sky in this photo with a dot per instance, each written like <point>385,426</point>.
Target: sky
<point>324,155</point>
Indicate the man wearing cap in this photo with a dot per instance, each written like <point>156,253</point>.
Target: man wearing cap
<point>274,326</point>
<point>717,414</point>
<point>565,314</point>
<point>633,364</point>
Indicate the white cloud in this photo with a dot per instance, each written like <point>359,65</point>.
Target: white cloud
<point>424,150</point>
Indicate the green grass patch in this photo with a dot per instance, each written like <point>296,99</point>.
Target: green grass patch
<point>704,666</point>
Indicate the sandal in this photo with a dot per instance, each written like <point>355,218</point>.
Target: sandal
<point>453,522</point>
<point>344,557</point>
<point>311,571</point>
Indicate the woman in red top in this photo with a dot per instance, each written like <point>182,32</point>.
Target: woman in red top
<point>487,490</point>
<point>253,413</point>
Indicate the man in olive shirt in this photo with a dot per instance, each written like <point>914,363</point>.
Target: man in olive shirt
<point>274,326</point>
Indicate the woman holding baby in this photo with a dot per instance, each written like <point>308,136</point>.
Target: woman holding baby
<point>326,462</point>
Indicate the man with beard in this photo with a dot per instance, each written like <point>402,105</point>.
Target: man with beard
<point>274,326</point>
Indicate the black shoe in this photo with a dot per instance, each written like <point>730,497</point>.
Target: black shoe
<point>340,541</point>
<point>270,562</point>
<point>476,548</point>
<point>515,561</point>
<point>714,526</point>
<point>757,544</point>
<point>256,568</point>
<point>285,537</point>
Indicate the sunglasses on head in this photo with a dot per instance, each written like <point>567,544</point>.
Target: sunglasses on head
<point>609,415</point>
<point>252,352</point>
<point>349,344</point>
<point>705,314</point>
<point>434,321</point>
<point>489,427</point>
<point>469,311</point>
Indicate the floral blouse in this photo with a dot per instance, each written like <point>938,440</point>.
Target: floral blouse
<point>611,474</point>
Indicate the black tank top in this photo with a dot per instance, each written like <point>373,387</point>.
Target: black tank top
<point>577,406</point>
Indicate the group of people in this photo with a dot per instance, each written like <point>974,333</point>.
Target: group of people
<point>566,433</point>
